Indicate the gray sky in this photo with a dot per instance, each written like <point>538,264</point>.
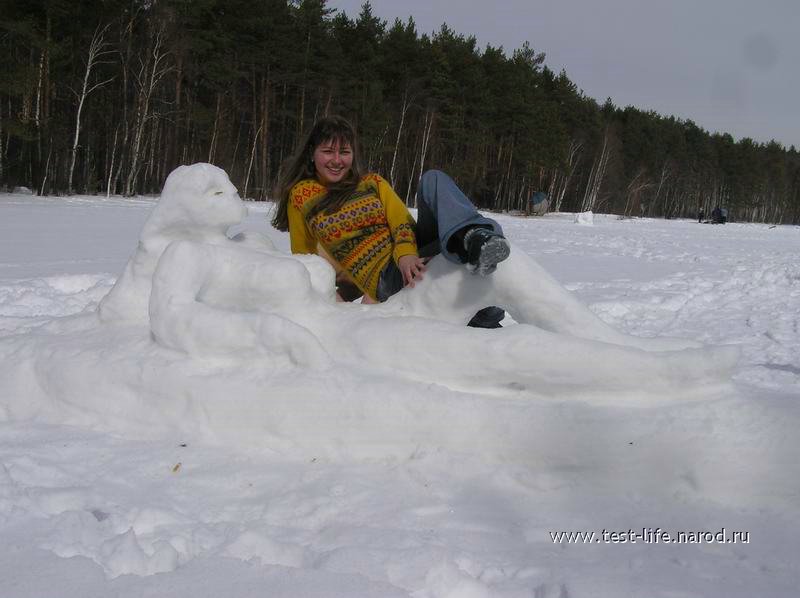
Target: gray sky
<point>728,65</point>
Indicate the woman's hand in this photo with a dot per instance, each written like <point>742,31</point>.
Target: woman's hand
<point>412,269</point>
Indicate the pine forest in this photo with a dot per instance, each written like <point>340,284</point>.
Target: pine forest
<point>108,96</point>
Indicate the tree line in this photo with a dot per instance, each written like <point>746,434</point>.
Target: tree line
<point>108,96</point>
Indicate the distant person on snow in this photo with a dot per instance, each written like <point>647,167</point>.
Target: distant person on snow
<point>327,201</point>
<point>718,215</point>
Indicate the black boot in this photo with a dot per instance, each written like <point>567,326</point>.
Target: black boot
<point>485,249</point>
<point>488,317</point>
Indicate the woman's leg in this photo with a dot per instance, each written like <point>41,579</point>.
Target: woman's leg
<point>444,213</point>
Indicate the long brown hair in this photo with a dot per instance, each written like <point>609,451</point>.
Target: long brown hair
<point>301,166</point>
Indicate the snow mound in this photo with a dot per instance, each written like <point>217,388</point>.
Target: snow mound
<point>27,303</point>
<point>584,218</point>
<point>229,340</point>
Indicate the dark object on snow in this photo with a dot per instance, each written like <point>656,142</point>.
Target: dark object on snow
<point>488,317</point>
<point>719,215</point>
<point>346,288</point>
<point>701,215</point>
<point>539,203</point>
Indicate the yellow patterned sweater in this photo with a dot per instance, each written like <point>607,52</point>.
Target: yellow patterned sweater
<point>371,228</point>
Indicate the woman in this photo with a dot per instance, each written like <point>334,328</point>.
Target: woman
<point>326,200</point>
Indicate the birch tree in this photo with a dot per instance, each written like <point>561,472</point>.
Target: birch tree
<point>403,111</point>
<point>97,50</point>
<point>638,184</point>
<point>151,70</point>
<point>561,181</point>
<point>426,138</point>
<point>596,175</point>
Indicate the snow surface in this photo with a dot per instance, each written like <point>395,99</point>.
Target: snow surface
<point>219,426</point>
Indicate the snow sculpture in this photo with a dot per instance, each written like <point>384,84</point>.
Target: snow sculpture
<point>228,302</point>
<point>211,296</point>
<point>210,300</point>
<point>198,203</point>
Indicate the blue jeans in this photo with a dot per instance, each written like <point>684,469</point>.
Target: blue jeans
<point>443,211</point>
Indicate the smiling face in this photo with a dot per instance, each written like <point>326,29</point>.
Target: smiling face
<point>332,161</point>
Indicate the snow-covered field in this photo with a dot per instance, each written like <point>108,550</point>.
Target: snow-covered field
<point>127,469</point>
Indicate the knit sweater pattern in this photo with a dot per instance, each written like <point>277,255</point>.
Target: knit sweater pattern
<point>371,228</point>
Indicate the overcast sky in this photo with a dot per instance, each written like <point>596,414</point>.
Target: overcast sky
<point>728,65</point>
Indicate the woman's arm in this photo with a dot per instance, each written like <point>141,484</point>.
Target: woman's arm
<point>300,237</point>
<point>401,226</point>
<point>401,223</point>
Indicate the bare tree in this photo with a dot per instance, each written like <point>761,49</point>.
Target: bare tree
<point>302,109</point>
<point>151,71</point>
<point>596,175</point>
<point>639,183</point>
<point>212,147</point>
<point>403,111</point>
<point>426,138</point>
<point>505,177</point>
<point>250,163</point>
<point>43,188</point>
<point>111,165</point>
<point>96,52</point>
<point>266,86</point>
<point>665,174</point>
<point>41,113</point>
<point>561,181</point>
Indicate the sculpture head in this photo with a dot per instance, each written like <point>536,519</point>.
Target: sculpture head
<point>198,200</point>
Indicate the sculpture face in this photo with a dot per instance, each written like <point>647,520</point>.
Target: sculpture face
<point>200,197</point>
